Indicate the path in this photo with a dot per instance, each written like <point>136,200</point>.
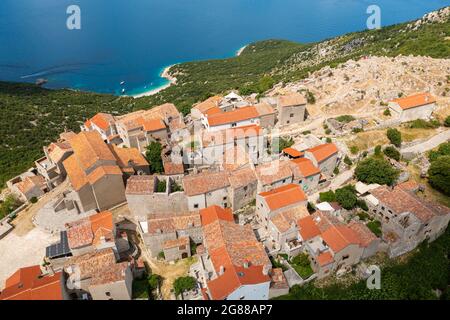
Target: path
<point>425,146</point>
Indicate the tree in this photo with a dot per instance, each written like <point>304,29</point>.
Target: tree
<point>392,153</point>
<point>447,121</point>
<point>377,150</point>
<point>394,136</point>
<point>346,197</point>
<point>310,98</point>
<point>328,196</point>
<point>183,284</point>
<point>387,112</point>
<point>439,174</point>
<point>283,144</point>
<point>443,150</point>
<point>376,170</point>
<point>153,155</point>
<point>348,161</point>
<point>354,149</point>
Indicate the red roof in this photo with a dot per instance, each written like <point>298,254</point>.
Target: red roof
<point>325,258</point>
<point>306,167</point>
<point>240,114</point>
<point>414,101</point>
<point>101,120</point>
<point>294,153</point>
<point>211,214</point>
<point>308,228</point>
<point>340,237</point>
<point>284,196</point>
<point>323,151</point>
<point>29,284</point>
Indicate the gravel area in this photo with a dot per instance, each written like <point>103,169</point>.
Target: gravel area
<point>23,251</point>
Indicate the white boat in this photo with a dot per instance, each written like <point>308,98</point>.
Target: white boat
<point>123,90</point>
<point>122,82</point>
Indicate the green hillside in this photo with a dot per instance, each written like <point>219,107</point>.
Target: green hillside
<point>32,117</point>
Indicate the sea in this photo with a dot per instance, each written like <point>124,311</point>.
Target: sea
<point>122,46</point>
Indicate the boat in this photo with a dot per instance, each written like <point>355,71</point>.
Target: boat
<point>40,82</point>
<point>122,82</point>
<point>123,90</point>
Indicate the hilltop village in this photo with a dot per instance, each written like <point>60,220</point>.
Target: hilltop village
<point>243,198</point>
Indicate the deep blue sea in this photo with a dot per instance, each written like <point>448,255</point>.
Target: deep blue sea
<point>133,40</point>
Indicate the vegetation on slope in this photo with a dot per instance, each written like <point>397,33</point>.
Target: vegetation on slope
<point>33,117</point>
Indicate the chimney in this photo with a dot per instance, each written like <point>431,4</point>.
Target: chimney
<point>221,270</point>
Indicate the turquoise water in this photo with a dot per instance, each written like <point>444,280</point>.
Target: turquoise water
<point>133,40</point>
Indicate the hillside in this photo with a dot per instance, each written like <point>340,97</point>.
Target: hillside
<point>32,117</point>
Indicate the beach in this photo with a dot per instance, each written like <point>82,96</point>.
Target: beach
<point>166,75</point>
<point>239,52</point>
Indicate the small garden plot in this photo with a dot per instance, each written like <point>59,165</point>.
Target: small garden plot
<point>302,265</point>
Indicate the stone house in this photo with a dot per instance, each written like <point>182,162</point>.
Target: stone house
<point>202,108</point>
<point>407,220</point>
<point>273,174</point>
<point>206,189</point>
<point>160,231</point>
<point>92,233</point>
<point>98,276</point>
<point>417,106</point>
<point>97,171</point>
<point>234,265</point>
<point>291,109</point>
<point>104,124</point>
<point>325,157</point>
<point>243,185</point>
<point>27,186</point>
<point>240,117</point>
<point>305,174</point>
<point>143,196</point>
<point>51,165</point>
<point>267,115</point>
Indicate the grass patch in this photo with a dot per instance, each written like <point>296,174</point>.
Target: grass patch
<point>302,265</point>
<point>375,227</point>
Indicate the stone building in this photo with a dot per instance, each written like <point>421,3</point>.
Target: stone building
<point>418,106</point>
<point>291,109</point>
<point>273,174</point>
<point>243,185</point>
<point>325,157</point>
<point>305,174</point>
<point>51,165</point>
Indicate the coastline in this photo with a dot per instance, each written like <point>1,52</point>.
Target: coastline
<point>172,80</point>
<point>166,75</point>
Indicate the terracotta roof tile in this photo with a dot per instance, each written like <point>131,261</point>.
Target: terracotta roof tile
<point>128,156</point>
<point>182,241</point>
<point>293,152</point>
<point>211,102</point>
<point>214,213</point>
<point>284,196</point>
<point>308,228</point>
<point>90,230</point>
<point>365,235</point>
<point>274,171</point>
<point>205,182</point>
<point>101,120</point>
<point>285,219</point>
<point>140,185</point>
<point>103,171</point>
<point>290,100</point>
<point>323,151</point>
<point>166,223</point>
<point>325,258</point>
<point>304,168</point>
<point>240,114</point>
<point>340,237</point>
<point>29,284</point>
<point>242,177</point>
<point>414,101</point>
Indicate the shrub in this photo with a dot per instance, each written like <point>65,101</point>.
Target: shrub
<point>387,112</point>
<point>161,186</point>
<point>329,140</point>
<point>153,155</point>
<point>302,265</point>
<point>328,196</point>
<point>283,144</point>
<point>357,130</point>
<point>348,161</point>
<point>336,171</point>
<point>443,150</point>
<point>423,124</point>
<point>439,174</point>
<point>161,255</point>
<point>328,131</point>
<point>183,284</point>
<point>362,204</point>
<point>447,121</point>
<point>375,227</point>
<point>310,98</point>
<point>345,118</point>
<point>394,136</point>
<point>34,200</point>
<point>376,170</point>
<point>377,150</point>
<point>346,197</point>
<point>363,216</point>
<point>392,153</point>
<point>354,149</point>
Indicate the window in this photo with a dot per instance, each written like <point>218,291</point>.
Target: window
<point>196,206</point>
<point>345,257</point>
<point>291,115</point>
<point>108,294</point>
<point>245,188</point>
<point>224,198</point>
<point>287,122</point>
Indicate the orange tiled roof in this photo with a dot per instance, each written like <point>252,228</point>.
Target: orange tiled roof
<point>182,241</point>
<point>76,174</point>
<point>325,258</point>
<point>172,222</point>
<point>323,151</point>
<point>171,168</point>
<point>29,284</point>
<point>151,125</point>
<point>294,99</point>
<point>274,171</point>
<point>400,201</point>
<point>293,152</point>
<point>205,182</point>
<point>30,182</point>
<point>284,196</point>
<point>89,148</point>
<point>228,136</point>
<point>101,120</point>
<point>284,220</point>
<point>103,171</point>
<point>305,167</point>
<point>214,213</point>
<point>127,156</point>
<point>278,280</point>
<point>340,237</point>
<point>240,114</point>
<point>417,100</point>
<point>235,157</point>
<point>211,102</point>
<point>242,177</point>
<point>235,249</point>
<point>308,228</point>
<point>140,185</point>
<point>365,235</point>
<point>57,150</point>
<point>90,230</point>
